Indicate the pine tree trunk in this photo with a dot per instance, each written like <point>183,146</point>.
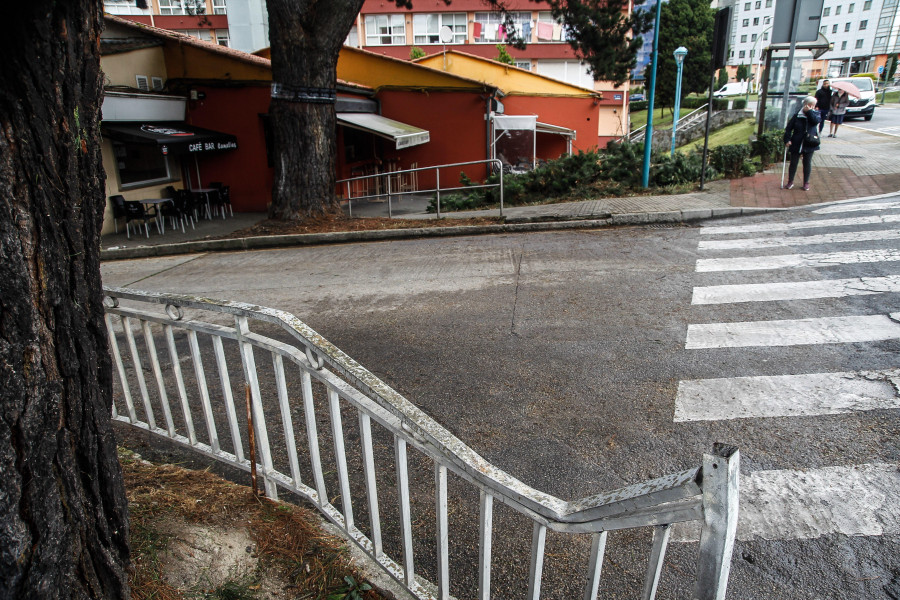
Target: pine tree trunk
<point>306,37</point>
<point>63,514</point>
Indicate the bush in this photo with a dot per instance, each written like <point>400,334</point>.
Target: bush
<point>637,105</point>
<point>768,147</point>
<point>729,160</point>
<point>678,169</point>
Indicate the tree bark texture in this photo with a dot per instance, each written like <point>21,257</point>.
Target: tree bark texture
<point>306,37</point>
<point>63,513</point>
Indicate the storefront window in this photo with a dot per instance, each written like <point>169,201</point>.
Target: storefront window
<point>140,164</point>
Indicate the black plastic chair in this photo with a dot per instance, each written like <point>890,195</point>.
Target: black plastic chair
<point>118,210</point>
<point>135,211</point>
<point>177,210</point>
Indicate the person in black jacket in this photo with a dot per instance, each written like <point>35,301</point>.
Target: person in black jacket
<point>795,138</point>
<point>823,102</point>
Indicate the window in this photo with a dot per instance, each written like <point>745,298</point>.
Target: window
<point>844,45</point>
<point>385,30</point>
<point>755,21</point>
<point>765,35</point>
<point>767,20</point>
<point>427,27</point>
<point>352,38</point>
<point>846,26</point>
<point>834,28</point>
<point>219,7</point>
<point>753,38</point>
<point>203,34</point>
<point>490,27</point>
<point>140,165</point>
<point>850,8</point>
<point>863,25</point>
<point>742,54</point>
<point>743,39</point>
<point>822,29</point>
<point>222,37</point>
<point>524,64</point>
<point>826,12</point>
<point>747,6</point>
<point>867,5</point>
<point>859,44</point>
<point>884,21</point>
<point>758,4</point>
<point>768,3</point>
<point>570,71</point>
<point>123,7</point>
<point>837,10</point>
<point>746,23</point>
<point>182,7</point>
<point>880,40</point>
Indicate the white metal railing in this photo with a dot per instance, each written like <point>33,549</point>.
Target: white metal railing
<point>322,378</point>
<point>392,176</point>
<point>686,121</point>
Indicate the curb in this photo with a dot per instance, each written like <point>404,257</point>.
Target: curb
<point>518,226</point>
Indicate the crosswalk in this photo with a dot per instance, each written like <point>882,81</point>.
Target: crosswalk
<point>749,270</point>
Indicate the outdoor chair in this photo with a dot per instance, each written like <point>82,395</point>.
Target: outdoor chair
<point>221,197</point>
<point>177,210</point>
<point>118,210</point>
<point>135,211</point>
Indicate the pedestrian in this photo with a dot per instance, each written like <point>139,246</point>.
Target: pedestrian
<point>840,100</point>
<point>801,136</point>
<point>823,102</point>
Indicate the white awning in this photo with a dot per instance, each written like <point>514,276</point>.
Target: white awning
<point>514,122</point>
<point>401,134</point>
<point>557,129</point>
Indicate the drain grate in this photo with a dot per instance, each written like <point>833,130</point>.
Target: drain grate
<point>668,225</point>
<point>848,156</point>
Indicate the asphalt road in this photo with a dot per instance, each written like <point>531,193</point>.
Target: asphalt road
<point>584,361</point>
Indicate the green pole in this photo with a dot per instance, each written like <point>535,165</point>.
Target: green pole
<point>648,133</point>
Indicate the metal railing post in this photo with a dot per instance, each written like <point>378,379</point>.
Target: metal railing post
<point>720,513</point>
<point>390,208</point>
<point>501,188</point>
<point>437,175</point>
<point>349,200</point>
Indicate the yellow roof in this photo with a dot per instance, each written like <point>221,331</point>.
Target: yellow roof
<point>512,80</point>
<point>380,72</point>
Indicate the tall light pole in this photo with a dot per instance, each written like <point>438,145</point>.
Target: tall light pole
<point>679,53</point>
<point>648,132</point>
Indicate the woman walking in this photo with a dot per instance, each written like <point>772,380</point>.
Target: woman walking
<point>840,100</point>
<point>801,136</point>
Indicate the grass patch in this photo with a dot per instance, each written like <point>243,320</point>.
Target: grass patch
<point>737,133</point>
<point>661,117</point>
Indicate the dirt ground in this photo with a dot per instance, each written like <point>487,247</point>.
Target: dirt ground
<point>197,536</point>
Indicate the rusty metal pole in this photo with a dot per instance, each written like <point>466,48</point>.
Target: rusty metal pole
<point>251,436</point>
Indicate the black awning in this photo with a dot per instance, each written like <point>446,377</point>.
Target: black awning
<point>172,137</point>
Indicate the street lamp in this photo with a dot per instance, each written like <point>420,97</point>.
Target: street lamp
<point>679,53</point>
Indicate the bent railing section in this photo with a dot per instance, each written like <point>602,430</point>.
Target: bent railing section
<point>187,380</point>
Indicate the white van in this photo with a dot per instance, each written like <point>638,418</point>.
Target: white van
<point>731,89</point>
<point>864,106</point>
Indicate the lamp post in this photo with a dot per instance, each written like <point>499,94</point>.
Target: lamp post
<point>679,53</point>
<point>648,132</point>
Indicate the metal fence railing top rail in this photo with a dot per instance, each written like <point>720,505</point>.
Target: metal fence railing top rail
<point>292,457</point>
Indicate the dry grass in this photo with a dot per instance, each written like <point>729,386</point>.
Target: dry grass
<point>289,544</point>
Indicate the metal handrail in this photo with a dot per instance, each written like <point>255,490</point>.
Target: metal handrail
<point>497,163</point>
<point>706,493</point>
<point>638,134</point>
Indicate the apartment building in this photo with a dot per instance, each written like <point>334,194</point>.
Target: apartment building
<point>203,19</point>
<point>864,34</point>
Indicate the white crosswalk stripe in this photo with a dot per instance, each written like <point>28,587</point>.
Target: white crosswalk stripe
<point>807,394</point>
<point>795,290</point>
<point>817,224</point>
<point>786,261</point>
<point>855,500</point>
<point>800,240</point>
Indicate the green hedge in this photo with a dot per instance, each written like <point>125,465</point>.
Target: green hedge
<point>738,103</point>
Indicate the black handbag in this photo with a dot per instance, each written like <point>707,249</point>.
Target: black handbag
<point>812,140</point>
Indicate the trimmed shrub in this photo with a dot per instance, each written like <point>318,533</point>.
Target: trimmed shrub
<point>636,105</point>
<point>729,160</point>
<point>678,169</point>
<point>768,147</point>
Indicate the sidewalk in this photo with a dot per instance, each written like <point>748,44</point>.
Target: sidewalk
<point>856,164</point>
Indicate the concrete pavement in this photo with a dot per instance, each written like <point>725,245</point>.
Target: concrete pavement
<point>858,163</point>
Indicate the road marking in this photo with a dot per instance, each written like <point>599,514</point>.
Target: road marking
<point>849,222</point>
<point>871,129</point>
<point>828,259</point>
<point>856,500</point>
<point>803,395</point>
<point>800,240</point>
<point>797,290</point>
<point>822,330</point>
<point>828,210</point>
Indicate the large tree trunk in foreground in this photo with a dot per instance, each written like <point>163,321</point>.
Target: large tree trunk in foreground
<point>63,514</point>
<point>306,37</point>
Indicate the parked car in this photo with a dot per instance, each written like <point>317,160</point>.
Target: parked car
<point>864,106</point>
<point>731,89</point>
<point>637,97</point>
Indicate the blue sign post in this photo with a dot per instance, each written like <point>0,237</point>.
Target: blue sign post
<point>648,133</point>
<point>680,53</point>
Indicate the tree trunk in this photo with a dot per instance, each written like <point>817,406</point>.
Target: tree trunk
<point>63,514</point>
<point>306,37</point>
